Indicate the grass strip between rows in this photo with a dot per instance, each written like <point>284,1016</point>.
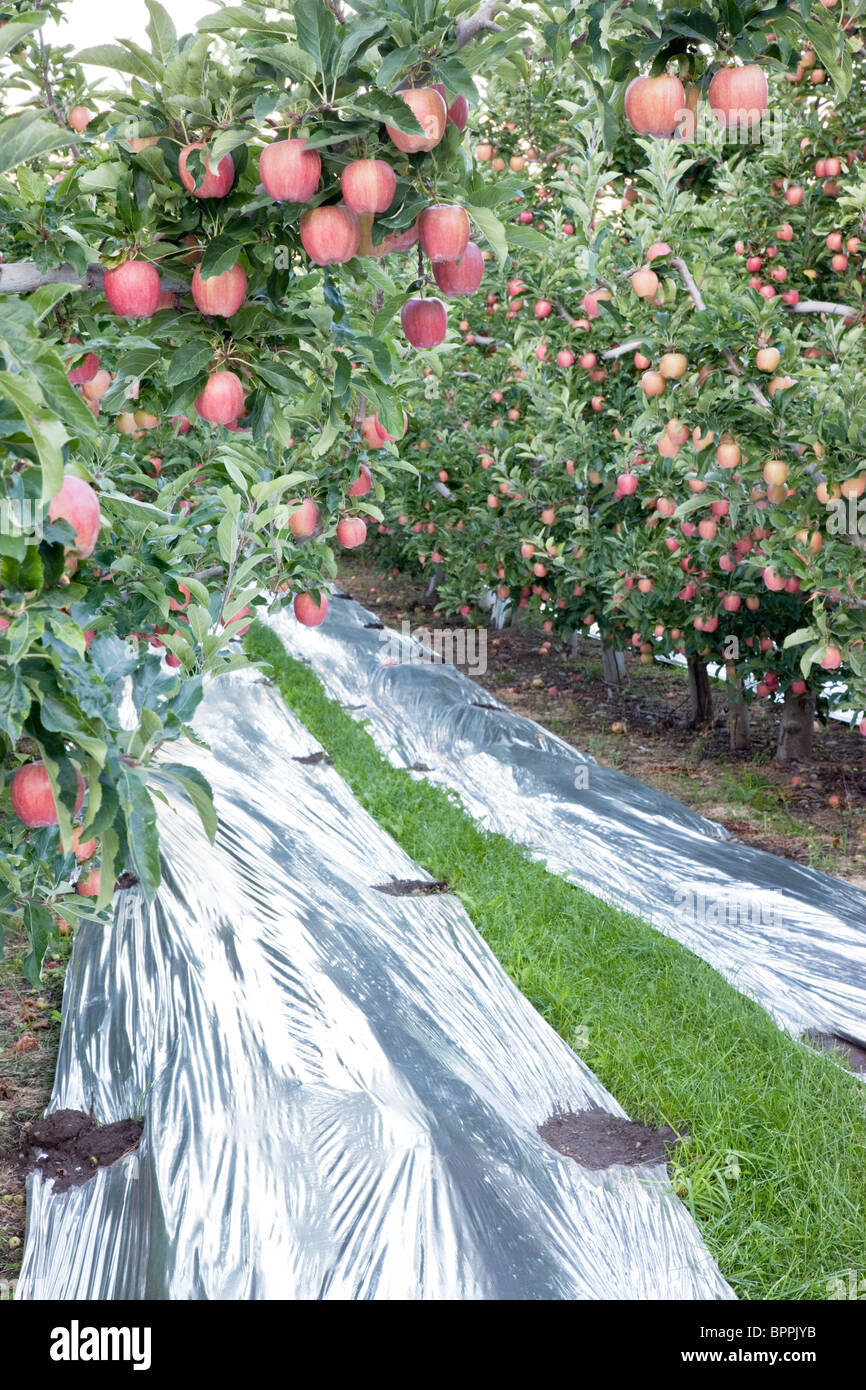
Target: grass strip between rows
<point>774,1165</point>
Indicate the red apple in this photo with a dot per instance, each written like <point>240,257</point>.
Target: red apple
<point>83,850</point>
<point>832,658</point>
<point>133,289</point>
<point>220,294</point>
<point>304,521</point>
<point>77,503</point>
<point>368,185</point>
<point>79,119</point>
<point>794,195</point>
<point>222,400</point>
<point>654,105</point>
<point>32,798</point>
<point>429,109</point>
<point>89,884</point>
<point>444,232</point>
<point>308,612</point>
<point>461,276</point>
<point>289,171</point>
<point>330,235</point>
<point>425,321</point>
<point>87,370</point>
<point>364,481</point>
<point>351,532</point>
<point>213,185</point>
<point>543,308</point>
<point>738,96</point>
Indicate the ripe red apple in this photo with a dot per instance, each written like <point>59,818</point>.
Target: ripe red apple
<point>351,532</point>
<point>425,321</point>
<point>444,232</point>
<point>429,109</point>
<point>83,850</point>
<point>220,294</point>
<point>289,171</point>
<point>794,195</point>
<point>543,308</point>
<point>32,798</point>
<point>222,400</point>
<point>461,276</point>
<point>213,185</point>
<point>627,483</point>
<point>87,370</point>
<point>368,185</point>
<point>832,658</point>
<point>738,96</point>
<point>79,119</point>
<point>653,384</point>
<point>330,235</point>
<point>364,481</point>
<point>654,105</point>
<point>565,357</point>
<point>89,884</point>
<point>785,232</point>
<point>304,520</point>
<point>96,387</point>
<point>645,283</point>
<point>77,503</point>
<point>132,289</point>
<point>308,612</point>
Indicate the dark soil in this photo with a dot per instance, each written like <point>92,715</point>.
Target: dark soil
<point>70,1146</point>
<point>411,887</point>
<point>310,760</point>
<point>812,813</point>
<point>851,1054</point>
<point>595,1139</point>
<point>126,880</point>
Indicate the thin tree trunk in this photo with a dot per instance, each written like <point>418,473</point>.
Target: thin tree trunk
<point>796,728</point>
<point>614,671</point>
<point>435,580</point>
<point>738,713</point>
<point>700,694</point>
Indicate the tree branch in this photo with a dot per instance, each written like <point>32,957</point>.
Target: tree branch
<point>482,21</point>
<point>25,276</point>
<point>688,280</point>
<point>621,349</point>
<point>820,306</point>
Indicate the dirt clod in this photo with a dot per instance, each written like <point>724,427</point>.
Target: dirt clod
<point>71,1147</point>
<point>596,1139</point>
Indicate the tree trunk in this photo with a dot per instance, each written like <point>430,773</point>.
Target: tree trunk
<point>435,580</point>
<point>795,729</point>
<point>700,694</point>
<point>613,671</point>
<point>738,713</point>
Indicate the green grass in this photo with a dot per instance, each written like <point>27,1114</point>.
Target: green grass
<point>774,1164</point>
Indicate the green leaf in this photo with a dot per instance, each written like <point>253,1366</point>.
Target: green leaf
<point>26,137</point>
<point>110,55</point>
<point>15,30</point>
<point>382,106</point>
<point>803,634</point>
<point>188,362</point>
<point>360,33</point>
<point>48,435</point>
<point>221,254</point>
<point>142,833</point>
<point>40,929</point>
<point>227,538</point>
<point>492,230</point>
<point>14,702</point>
<point>198,790</point>
<point>398,61</point>
<point>317,32</point>
<point>160,31</point>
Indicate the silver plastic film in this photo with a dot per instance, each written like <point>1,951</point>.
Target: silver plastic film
<point>341,1088</point>
<point>787,936</point>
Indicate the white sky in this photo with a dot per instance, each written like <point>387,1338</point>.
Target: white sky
<point>89,22</point>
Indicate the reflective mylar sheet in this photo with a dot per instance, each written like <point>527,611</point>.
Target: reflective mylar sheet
<point>341,1088</point>
<point>787,936</point>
